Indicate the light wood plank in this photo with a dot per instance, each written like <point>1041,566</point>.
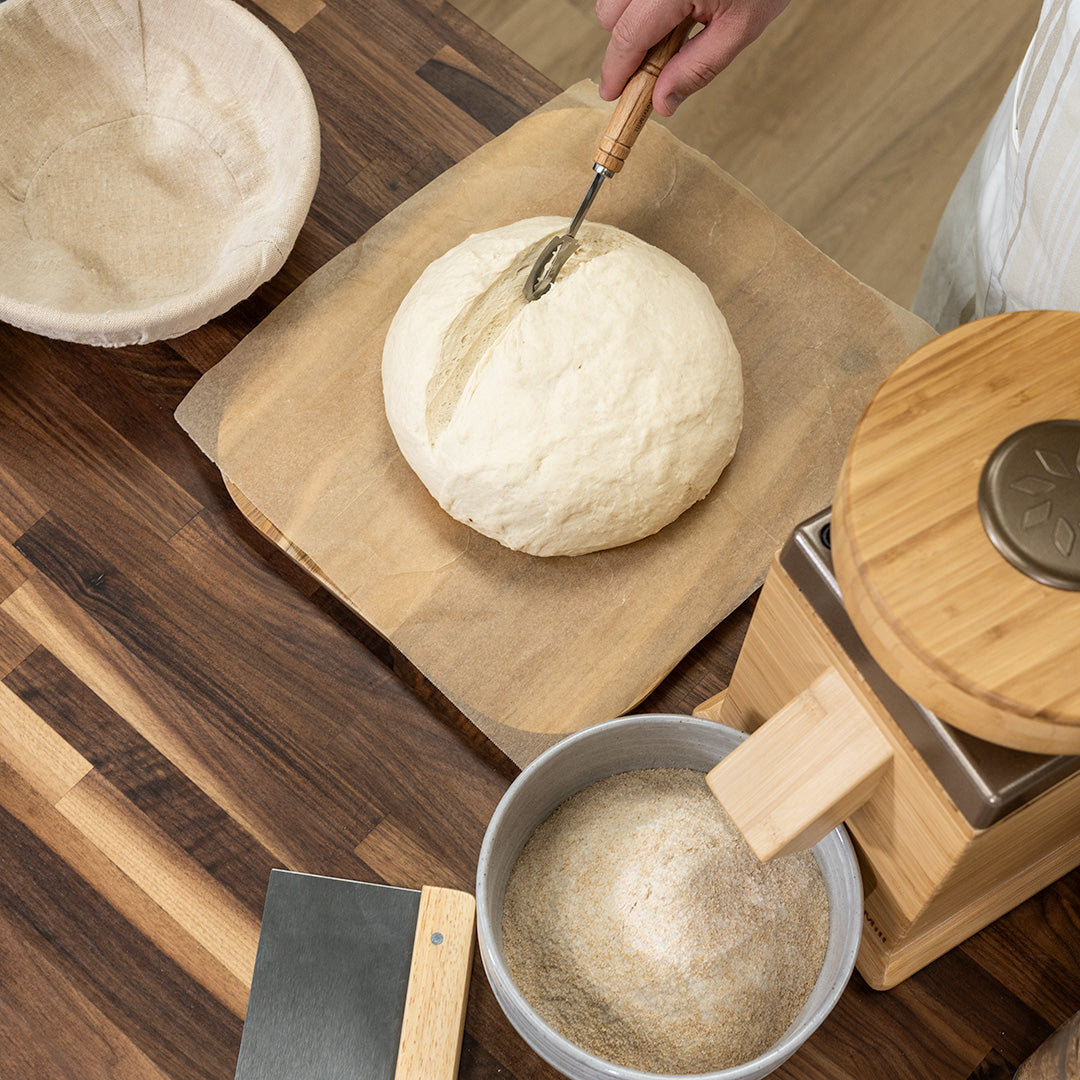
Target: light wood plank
<point>61,836</point>
<point>168,875</point>
<point>292,14</point>
<point>14,569</point>
<point>48,764</point>
<point>171,722</point>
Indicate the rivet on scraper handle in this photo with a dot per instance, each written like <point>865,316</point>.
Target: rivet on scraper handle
<point>631,112</point>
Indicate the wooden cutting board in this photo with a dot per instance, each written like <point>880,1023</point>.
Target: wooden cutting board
<point>531,648</point>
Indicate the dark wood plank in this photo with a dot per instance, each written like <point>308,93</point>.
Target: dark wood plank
<point>83,467</point>
<point>143,775</point>
<point>39,997</point>
<point>239,671</point>
<point>52,912</point>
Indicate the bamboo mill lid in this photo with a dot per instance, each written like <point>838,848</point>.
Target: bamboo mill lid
<point>972,605</point>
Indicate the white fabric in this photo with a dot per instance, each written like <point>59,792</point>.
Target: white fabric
<point>159,160</point>
<point>1010,236</point>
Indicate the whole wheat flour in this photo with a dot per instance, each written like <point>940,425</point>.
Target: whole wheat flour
<point>639,925</point>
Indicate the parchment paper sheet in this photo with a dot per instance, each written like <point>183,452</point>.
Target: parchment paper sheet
<point>533,648</point>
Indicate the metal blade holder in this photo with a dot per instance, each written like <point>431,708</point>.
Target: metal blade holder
<point>629,117</point>
<point>559,248</point>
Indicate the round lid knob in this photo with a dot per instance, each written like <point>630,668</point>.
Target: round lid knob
<point>1029,500</point>
<point>956,529</point>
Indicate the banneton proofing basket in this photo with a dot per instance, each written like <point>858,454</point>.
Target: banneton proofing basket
<point>630,743</point>
<point>159,161</point>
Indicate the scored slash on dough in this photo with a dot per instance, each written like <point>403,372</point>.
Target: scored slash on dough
<point>472,335</point>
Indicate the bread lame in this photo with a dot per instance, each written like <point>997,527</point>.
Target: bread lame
<point>631,112</point>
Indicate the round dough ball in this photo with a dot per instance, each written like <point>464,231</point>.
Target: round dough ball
<point>587,419</point>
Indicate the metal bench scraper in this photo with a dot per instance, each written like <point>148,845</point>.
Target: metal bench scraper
<point>359,981</point>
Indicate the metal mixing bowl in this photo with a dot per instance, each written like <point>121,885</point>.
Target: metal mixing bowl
<point>623,745</point>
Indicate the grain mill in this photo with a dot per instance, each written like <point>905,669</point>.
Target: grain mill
<point>912,667</point>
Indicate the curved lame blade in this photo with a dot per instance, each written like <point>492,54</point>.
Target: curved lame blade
<point>547,266</point>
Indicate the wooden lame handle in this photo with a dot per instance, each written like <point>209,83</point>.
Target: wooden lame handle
<point>434,1017</point>
<point>635,103</point>
<point>804,770</point>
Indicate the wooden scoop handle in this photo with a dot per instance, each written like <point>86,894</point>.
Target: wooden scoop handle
<point>635,103</point>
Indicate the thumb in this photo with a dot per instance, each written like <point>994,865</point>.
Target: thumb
<point>699,61</point>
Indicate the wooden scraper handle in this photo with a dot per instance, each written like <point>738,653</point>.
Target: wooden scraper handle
<point>635,103</point>
<point>434,1017</point>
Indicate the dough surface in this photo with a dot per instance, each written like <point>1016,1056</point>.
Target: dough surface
<point>584,420</point>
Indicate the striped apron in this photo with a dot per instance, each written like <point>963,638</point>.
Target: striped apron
<point>1010,235</point>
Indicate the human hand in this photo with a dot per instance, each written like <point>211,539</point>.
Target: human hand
<point>636,25</point>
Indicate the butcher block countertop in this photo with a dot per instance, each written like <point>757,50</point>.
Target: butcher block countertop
<point>183,708</point>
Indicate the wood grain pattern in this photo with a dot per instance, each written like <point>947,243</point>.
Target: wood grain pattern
<point>634,106</point>
<point>292,13</point>
<point>182,708</point>
<point>433,1020</point>
<point>955,624</point>
<point>815,762</point>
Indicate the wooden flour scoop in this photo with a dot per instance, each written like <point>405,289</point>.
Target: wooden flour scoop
<point>954,542</point>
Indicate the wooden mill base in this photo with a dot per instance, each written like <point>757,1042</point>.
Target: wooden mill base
<point>930,879</point>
